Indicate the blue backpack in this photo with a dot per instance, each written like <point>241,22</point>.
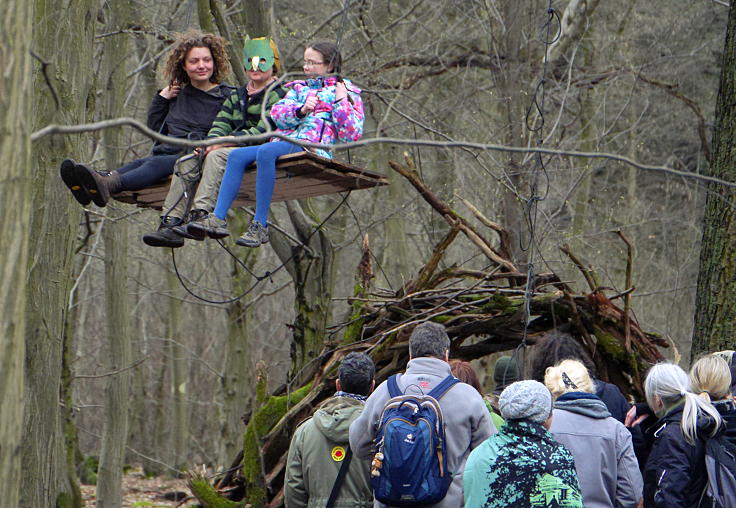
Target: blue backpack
<point>410,465</point>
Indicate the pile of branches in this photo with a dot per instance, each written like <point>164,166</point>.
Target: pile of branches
<point>484,312</point>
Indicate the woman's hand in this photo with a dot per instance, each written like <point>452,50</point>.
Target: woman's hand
<point>631,419</point>
<point>309,105</point>
<point>340,91</point>
<point>170,91</point>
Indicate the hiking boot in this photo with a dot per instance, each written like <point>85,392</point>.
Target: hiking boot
<point>181,229</point>
<point>209,225</point>
<point>68,174</point>
<point>98,185</point>
<point>255,236</point>
<point>165,235</point>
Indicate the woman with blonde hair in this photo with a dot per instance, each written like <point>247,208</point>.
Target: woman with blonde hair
<point>710,378</point>
<point>604,455</point>
<point>185,108</point>
<point>674,471</point>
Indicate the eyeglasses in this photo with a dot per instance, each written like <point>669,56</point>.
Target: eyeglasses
<point>312,63</point>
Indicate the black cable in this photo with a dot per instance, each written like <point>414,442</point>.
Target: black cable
<point>531,203</point>
<point>259,278</point>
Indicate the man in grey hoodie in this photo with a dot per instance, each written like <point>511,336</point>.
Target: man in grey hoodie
<point>467,420</point>
<point>320,444</point>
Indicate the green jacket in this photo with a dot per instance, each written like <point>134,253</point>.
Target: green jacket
<point>315,456</point>
<point>240,114</point>
<point>521,466</point>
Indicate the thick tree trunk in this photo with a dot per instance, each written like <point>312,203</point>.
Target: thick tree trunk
<point>15,150</point>
<point>178,424</point>
<point>115,232</point>
<point>54,222</point>
<point>312,269</point>
<point>236,385</point>
<point>715,303</point>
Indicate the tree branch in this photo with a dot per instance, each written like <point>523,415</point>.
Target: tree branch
<point>118,122</point>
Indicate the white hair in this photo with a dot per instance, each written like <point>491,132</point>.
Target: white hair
<point>671,384</point>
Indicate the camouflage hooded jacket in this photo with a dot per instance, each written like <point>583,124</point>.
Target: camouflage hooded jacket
<point>521,466</point>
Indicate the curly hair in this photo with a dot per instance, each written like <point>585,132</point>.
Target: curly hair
<point>174,69</point>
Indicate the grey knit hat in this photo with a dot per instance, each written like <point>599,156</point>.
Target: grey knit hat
<point>526,400</point>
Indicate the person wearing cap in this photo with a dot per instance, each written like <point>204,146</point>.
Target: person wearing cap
<point>467,421</point>
<point>505,372</point>
<point>246,112</point>
<point>522,465</point>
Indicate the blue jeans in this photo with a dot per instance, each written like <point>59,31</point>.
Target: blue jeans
<point>265,156</point>
<point>142,173</point>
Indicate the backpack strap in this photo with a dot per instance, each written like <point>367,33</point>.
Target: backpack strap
<point>439,390</point>
<point>340,478</point>
<point>393,387</point>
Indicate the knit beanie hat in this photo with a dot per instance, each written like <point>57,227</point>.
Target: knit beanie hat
<point>506,371</point>
<point>526,400</point>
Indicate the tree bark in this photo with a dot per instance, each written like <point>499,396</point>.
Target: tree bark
<point>54,221</point>
<point>312,269</point>
<point>179,380</point>
<point>15,150</point>
<point>236,385</point>
<point>715,301</point>
<point>117,389</point>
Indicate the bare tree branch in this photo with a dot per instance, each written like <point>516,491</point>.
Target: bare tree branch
<point>118,122</point>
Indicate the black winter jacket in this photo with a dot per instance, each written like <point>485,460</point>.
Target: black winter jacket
<point>674,475</point>
<point>727,410</point>
<point>189,115</point>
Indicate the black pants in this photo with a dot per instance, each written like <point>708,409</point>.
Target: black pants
<point>142,173</point>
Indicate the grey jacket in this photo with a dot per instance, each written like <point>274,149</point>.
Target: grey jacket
<point>604,455</point>
<point>467,421</point>
<point>315,456</point>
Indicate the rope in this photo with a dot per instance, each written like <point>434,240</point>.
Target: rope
<point>268,274</point>
<point>531,203</point>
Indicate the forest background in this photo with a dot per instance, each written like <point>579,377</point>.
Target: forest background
<point>107,329</point>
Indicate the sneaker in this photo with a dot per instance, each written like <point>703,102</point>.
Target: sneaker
<point>209,225</point>
<point>181,229</point>
<point>255,236</point>
<point>165,235</point>
<point>68,174</point>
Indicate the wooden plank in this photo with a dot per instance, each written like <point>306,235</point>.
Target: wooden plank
<point>298,175</point>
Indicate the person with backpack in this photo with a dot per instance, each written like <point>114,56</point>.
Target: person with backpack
<point>710,379</point>
<point>321,470</point>
<point>675,469</point>
<point>601,446</point>
<point>458,418</point>
<point>185,108</point>
<point>244,113</point>
<point>522,465</point>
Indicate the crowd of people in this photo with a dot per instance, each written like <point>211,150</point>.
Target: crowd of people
<point>324,108</point>
<point>564,442</point>
<point>562,438</point>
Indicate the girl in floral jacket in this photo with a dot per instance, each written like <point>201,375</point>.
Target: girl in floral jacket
<point>323,109</point>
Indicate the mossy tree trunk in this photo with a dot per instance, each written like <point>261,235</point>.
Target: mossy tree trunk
<point>715,301</point>
<point>15,150</point>
<point>54,221</point>
<point>115,232</point>
<point>311,266</point>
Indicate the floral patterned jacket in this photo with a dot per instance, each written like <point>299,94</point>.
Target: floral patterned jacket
<point>331,121</point>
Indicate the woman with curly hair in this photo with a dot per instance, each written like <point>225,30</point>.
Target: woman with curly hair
<point>185,108</point>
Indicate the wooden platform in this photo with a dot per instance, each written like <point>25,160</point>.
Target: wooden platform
<point>298,175</point>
